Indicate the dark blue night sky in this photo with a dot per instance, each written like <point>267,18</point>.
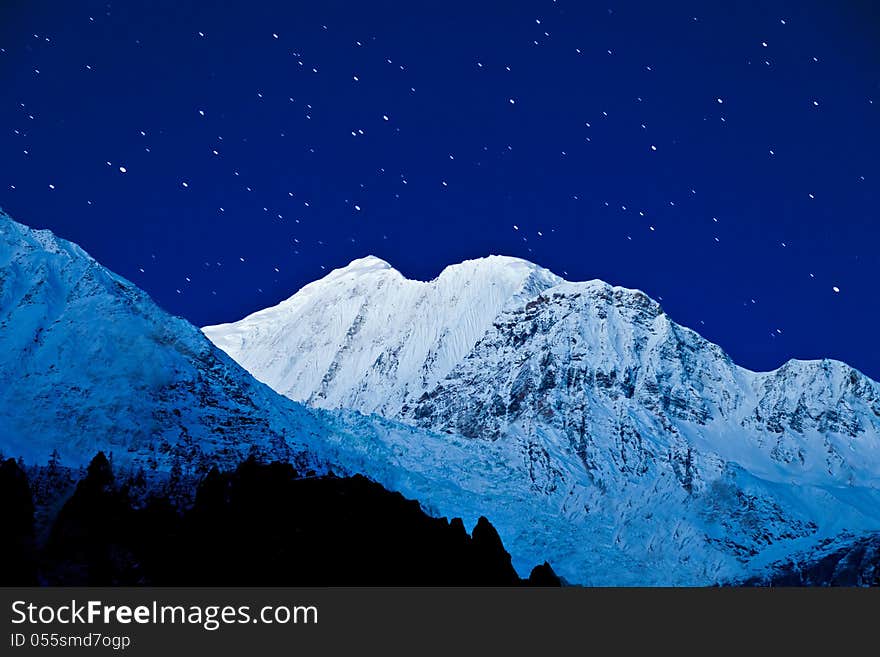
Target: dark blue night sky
<point>725,160</point>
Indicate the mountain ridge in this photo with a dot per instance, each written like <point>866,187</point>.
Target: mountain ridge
<point>604,402</point>
<point>376,264</point>
<point>621,448</point>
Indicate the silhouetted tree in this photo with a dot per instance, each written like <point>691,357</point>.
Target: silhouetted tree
<point>17,556</point>
<point>88,539</point>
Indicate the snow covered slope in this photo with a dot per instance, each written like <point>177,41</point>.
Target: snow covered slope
<point>625,422</point>
<point>89,362</point>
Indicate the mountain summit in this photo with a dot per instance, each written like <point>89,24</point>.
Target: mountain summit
<point>365,337</point>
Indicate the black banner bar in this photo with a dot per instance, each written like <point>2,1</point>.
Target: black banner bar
<point>288,621</point>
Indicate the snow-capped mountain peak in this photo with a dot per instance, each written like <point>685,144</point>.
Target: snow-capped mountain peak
<point>359,266</point>
<point>365,324</point>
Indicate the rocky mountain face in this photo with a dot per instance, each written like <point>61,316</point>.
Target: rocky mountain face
<point>682,466</point>
<point>853,561</point>
<point>627,388</point>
